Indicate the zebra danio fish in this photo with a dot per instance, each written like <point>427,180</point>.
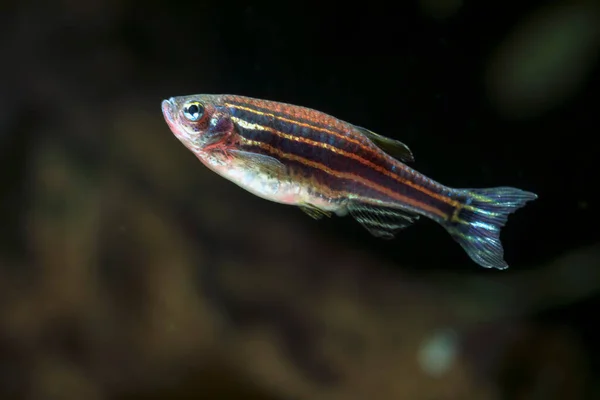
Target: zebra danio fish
<point>303,157</point>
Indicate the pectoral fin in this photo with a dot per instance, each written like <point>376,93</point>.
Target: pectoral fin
<point>382,222</point>
<point>313,211</point>
<point>394,148</point>
<point>258,161</point>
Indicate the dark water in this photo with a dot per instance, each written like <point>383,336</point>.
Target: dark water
<point>128,270</point>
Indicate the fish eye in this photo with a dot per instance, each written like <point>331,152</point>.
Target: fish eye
<point>193,111</point>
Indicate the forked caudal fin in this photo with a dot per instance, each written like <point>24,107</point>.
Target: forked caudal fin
<point>477,224</point>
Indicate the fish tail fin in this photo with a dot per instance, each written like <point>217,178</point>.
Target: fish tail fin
<point>477,223</point>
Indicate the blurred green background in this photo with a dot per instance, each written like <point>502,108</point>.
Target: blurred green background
<point>130,271</point>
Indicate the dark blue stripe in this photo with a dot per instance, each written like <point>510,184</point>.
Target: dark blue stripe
<point>341,164</point>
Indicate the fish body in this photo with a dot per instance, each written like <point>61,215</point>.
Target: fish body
<point>303,157</point>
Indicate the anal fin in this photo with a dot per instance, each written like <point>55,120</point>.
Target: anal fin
<point>381,221</point>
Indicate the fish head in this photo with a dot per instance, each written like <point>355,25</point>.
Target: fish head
<point>198,122</point>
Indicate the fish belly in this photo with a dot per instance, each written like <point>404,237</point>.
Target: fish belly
<point>276,189</point>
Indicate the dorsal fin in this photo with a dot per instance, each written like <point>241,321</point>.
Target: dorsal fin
<point>380,221</point>
<point>393,147</point>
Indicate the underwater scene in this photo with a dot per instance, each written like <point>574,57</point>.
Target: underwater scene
<point>270,200</point>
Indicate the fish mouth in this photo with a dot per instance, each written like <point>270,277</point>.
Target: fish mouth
<point>167,107</point>
<point>169,110</point>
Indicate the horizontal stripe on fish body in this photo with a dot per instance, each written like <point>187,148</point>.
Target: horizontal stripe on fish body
<point>267,115</point>
<point>324,129</point>
<point>350,178</point>
<point>343,157</point>
<point>300,115</point>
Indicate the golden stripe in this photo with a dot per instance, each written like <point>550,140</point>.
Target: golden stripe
<point>356,157</point>
<point>305,125</point>
<point>346,175</point>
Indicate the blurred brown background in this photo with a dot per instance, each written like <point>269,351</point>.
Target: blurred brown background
<point>130,271</point>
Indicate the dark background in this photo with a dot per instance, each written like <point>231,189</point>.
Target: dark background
<point>128,270</point>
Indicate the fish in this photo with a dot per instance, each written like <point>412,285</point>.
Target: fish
<point>325,166</point>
